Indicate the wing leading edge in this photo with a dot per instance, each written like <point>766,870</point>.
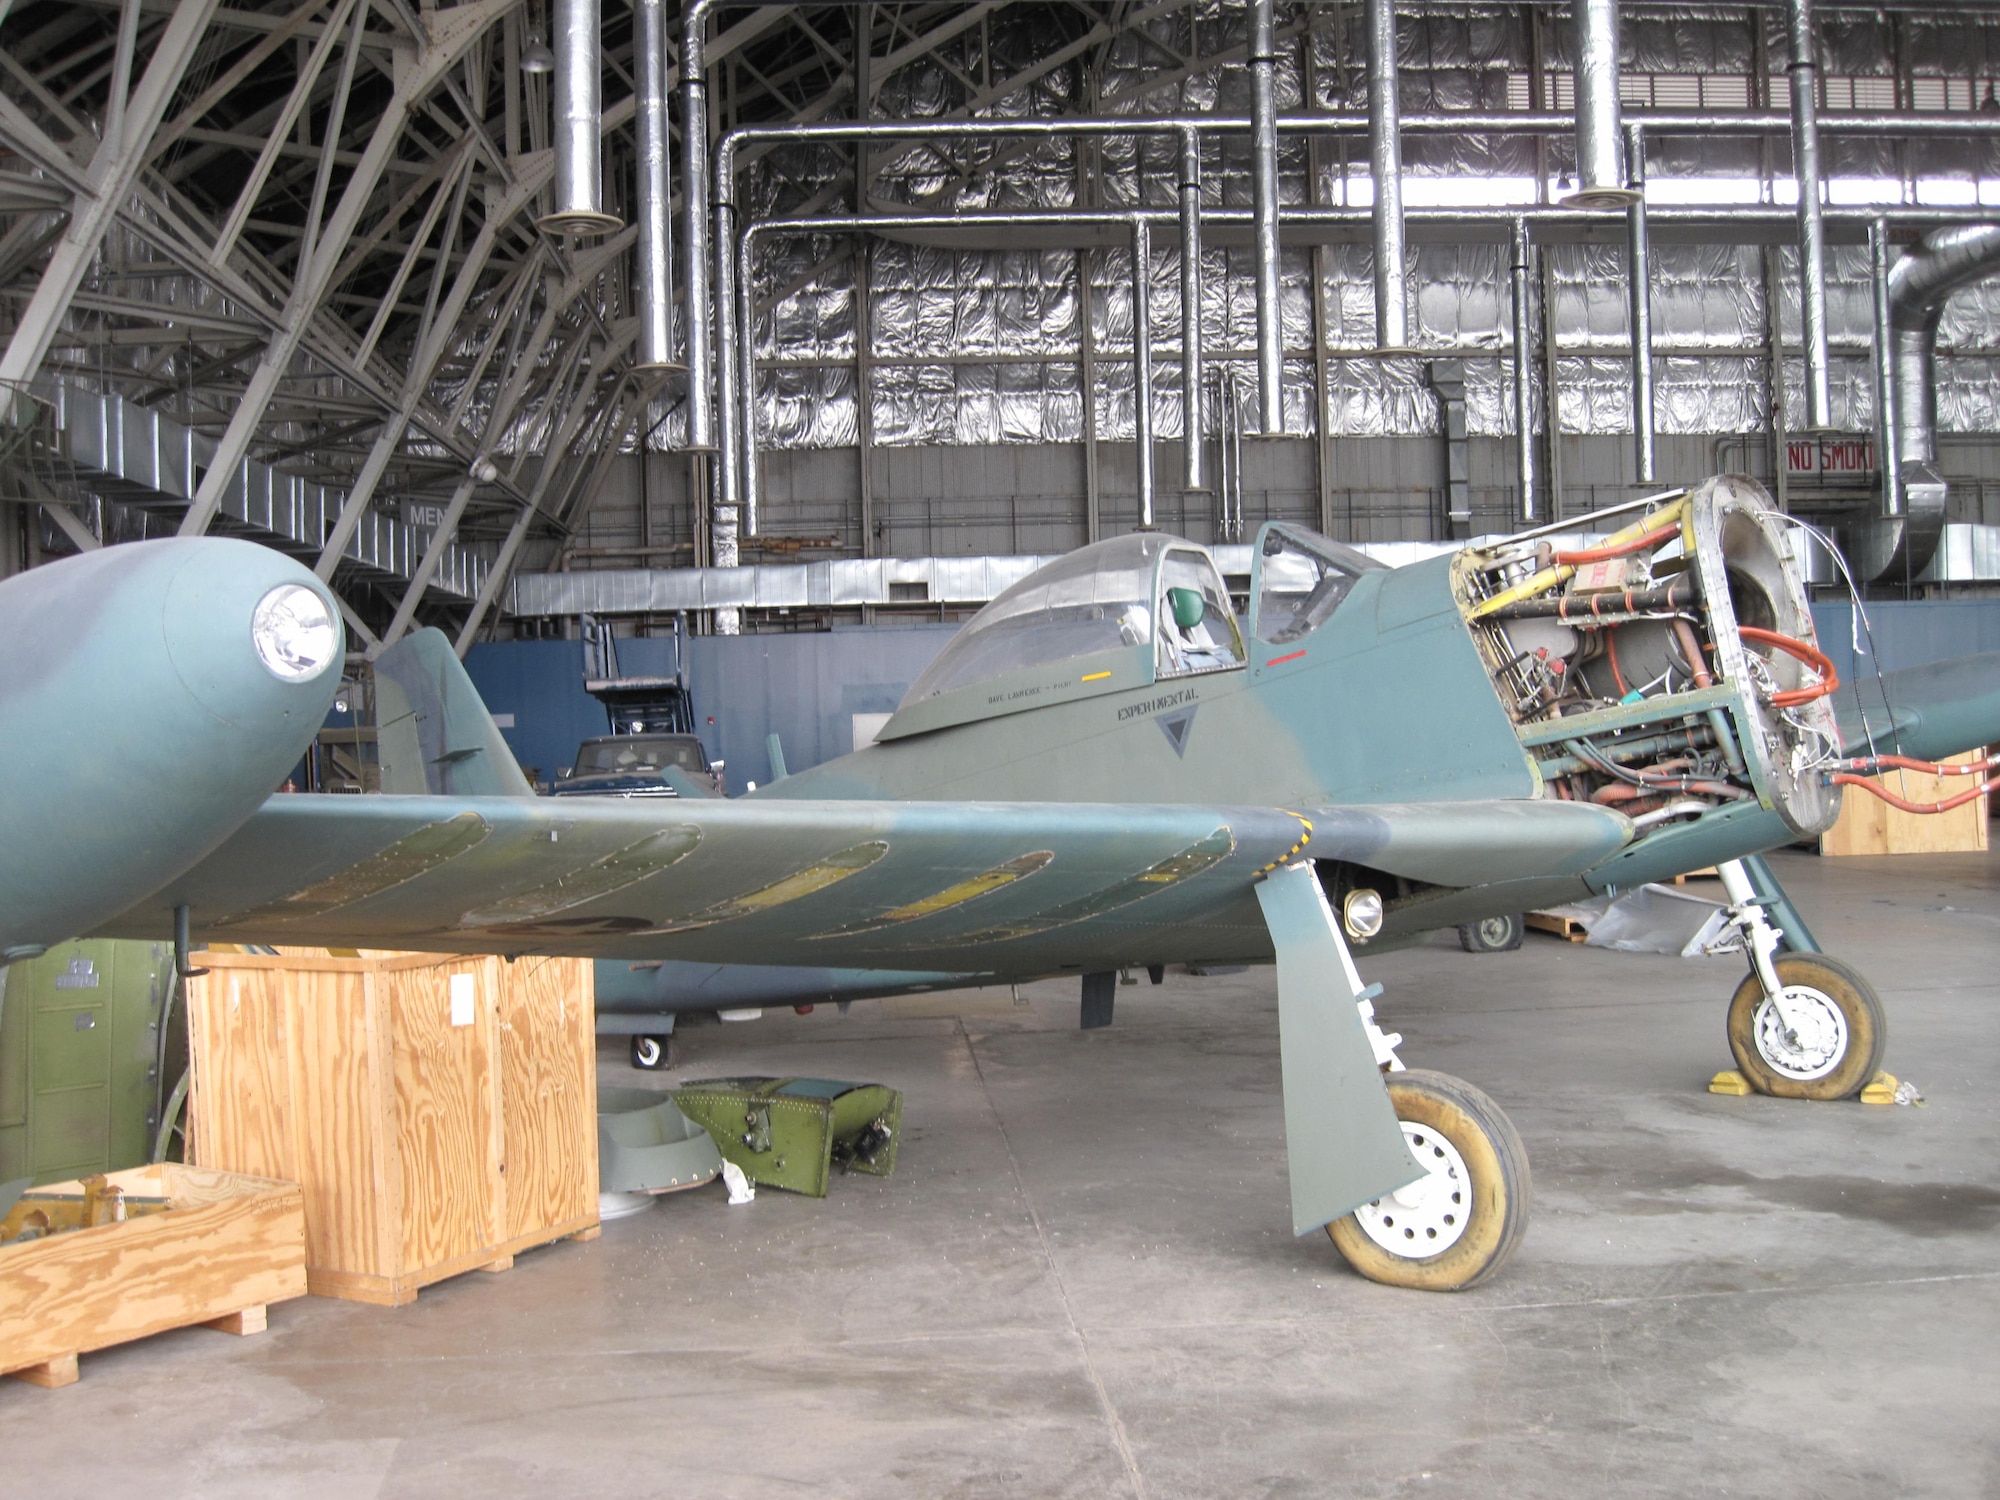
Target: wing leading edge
<point>1003,887</point>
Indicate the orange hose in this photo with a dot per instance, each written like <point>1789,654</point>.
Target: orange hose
<point>1618,549</point>
<point>1843,779</point>
<point>1814,658</point>
<point>1928,767</point>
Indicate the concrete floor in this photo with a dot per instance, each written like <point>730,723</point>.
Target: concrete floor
<point>1080,1280</point>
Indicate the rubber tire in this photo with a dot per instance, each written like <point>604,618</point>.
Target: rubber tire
<point>1502,1188</point>
<point>1493,935</point>
<point>652,1053</point>
<point>1860,1007</point>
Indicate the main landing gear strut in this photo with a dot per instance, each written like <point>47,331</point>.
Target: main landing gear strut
<point>1418,1177</point>
<point>1802,1025</point>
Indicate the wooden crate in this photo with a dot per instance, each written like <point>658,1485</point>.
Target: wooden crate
<point>440,1113</point>
<point>1868,825</point>
<point>228,1246</point>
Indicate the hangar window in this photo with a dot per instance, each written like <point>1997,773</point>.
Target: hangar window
<point>1094,600</point>
<point>1301,580</point>
<point>1197,627</point>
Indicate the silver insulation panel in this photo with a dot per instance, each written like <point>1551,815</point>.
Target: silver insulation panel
<point>972,347</point>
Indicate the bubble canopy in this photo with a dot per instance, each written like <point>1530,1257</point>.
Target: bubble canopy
<point>1099,607</point>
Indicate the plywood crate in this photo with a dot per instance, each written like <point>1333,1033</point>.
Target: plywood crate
<point>226,1247</point>
<point>1868,825</point>
<point>440,1113</point>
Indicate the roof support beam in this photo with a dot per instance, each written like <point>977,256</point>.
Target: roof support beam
<point>109,177</point>
<point>453,32</point>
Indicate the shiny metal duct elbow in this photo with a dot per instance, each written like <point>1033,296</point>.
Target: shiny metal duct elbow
<point>1600,169</point>
<point>579,123</point>
<point>652,199</point>
<point>1902,539</point>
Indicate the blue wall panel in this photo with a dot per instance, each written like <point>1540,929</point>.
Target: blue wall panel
<point>804,687</point>
<point>1906,633</point>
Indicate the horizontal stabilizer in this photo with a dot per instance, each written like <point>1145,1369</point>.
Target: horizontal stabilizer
<point>436,737</point>
<point>1928,712</point>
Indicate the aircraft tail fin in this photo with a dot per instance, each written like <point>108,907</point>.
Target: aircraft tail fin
<point>1927,712</point>
<point>435,735</point>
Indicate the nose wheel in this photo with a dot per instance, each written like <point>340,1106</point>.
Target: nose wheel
<point>1823,1041</point>
<point>1459,1223</point>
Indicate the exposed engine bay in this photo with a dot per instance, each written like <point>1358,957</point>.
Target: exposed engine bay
<point>1668,670</point>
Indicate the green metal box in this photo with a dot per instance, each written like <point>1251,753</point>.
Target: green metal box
<point>79,1058</point>
<point>791,1132</point>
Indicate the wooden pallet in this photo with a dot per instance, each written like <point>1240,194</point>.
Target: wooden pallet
<point>227,1247</point>
<point>1570,923</point>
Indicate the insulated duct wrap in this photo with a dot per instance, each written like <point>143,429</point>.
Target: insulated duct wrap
<point>975,347</point>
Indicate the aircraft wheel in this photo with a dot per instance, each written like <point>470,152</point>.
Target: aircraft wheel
<point>1459,1224</point>
<point>651,1053</point>
<point>1493,935</point>
<point>1837,1049</point>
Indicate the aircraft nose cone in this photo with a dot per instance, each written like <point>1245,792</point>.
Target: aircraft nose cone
<point>152,695</point>
<point>251,636</point>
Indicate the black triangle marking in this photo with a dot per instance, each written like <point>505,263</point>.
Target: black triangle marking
<point>1175,727</point>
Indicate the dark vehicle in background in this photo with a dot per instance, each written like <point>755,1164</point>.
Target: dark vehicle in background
<point>641,765</point>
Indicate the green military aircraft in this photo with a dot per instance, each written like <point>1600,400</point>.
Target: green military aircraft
<point>1107,769</point>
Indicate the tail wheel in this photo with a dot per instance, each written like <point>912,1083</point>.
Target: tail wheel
<point>1493,935</point>
<point>1835,1045</point>
<point>651,1053</point>
<point>1458,1224</point>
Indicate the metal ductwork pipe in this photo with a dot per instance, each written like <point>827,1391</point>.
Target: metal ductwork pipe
<point>694,211</point>
<point>656,252</point>
<point>1812,235</point>
<point>1524,373</point>
<point>579,122</point>
<point>1142,365</point>
<point>1639,283</point>
<point>1194,375</point>
<point>1901,541</point>
<point>1264,162</point>
<point>1600,175</point>
<point>1385,169</point>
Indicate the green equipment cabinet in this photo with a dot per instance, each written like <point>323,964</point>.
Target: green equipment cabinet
<point>80,1058</point>
<point>792,1132</point>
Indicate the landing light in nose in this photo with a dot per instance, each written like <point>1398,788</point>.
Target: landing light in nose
<point>294,632</point>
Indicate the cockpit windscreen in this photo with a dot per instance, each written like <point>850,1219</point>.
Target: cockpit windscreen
<point>1302,581</point>
<point>1094,600</point>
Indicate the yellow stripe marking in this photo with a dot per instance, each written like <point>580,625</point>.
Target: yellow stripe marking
<point>1304,839</point>
<point>1096,676</point>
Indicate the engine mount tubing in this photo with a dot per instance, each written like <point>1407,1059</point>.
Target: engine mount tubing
<point>1385,168</point>
<point>1868,784</point>
<point>1804,73</point>
<point>1802,651</point>
<point>1632,604</point>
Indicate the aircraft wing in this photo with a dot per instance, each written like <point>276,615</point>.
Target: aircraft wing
<point>1000,887</point>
